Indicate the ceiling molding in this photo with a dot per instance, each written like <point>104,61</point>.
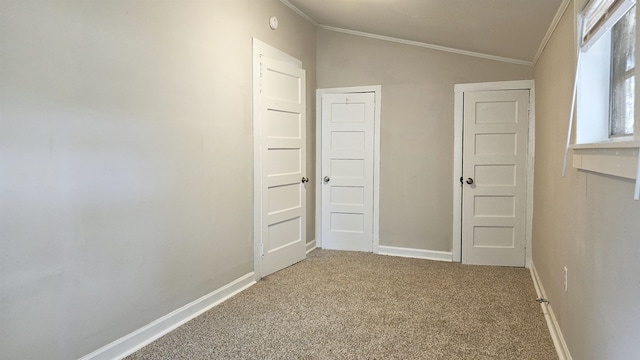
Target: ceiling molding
<point>554,24</point>
<point>427,46</point>
<point>299,12</point>
<point>552,28</point>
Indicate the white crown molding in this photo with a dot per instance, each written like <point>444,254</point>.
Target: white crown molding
<point>554,24</point>
<point>552,28</point>
<point>427,46</point>
<point>299,12</point>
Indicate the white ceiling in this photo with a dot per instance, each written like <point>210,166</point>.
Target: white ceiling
<point>507,28</point>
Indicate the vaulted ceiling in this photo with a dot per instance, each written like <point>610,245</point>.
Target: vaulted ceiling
<point>507,28</point>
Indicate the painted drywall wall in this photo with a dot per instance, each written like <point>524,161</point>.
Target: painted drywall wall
<point>417,124</point>
<point>126,161</point>
<point>585,221</point>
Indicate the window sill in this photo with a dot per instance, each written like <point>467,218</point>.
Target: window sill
<point>618,157</point>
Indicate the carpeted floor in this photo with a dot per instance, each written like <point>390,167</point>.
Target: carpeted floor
<point>350,305</point>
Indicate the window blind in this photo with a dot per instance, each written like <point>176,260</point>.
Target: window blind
<point>598,16</point>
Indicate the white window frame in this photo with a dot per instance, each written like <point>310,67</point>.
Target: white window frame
<point>595,150</point>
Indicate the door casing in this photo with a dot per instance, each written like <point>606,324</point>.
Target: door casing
<point>377,90</point>
<point>459,90</point>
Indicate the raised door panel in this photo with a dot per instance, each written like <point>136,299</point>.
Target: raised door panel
<point>495,157</point>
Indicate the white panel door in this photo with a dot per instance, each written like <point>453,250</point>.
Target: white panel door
<point>283,165</point>
<point>495,177</point>
<point>347,171</point>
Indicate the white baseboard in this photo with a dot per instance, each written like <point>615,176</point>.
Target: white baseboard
<point>552,322</point>
<point>136,340</point>
<point>311,245</point>
<point>416,253</point>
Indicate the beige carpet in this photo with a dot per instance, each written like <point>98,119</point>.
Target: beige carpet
<point>349,305</point>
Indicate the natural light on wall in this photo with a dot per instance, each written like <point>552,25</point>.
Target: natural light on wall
<point>604,91</point>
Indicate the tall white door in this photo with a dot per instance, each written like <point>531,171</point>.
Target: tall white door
<point>282,98</point>
<point>495,177</point>
<point>347,171</point>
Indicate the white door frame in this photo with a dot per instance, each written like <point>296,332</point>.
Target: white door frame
<point>261,48</point>
<point>457,158</point>
<point>377,90</point>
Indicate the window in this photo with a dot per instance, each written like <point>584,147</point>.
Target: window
<point>623,46</point>
<point>606,84</point>
<point>605,92</point>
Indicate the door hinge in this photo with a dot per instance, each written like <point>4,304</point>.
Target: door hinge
<point>262,249</point>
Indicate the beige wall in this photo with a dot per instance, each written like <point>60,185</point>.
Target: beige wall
<point>416,126</point>
<point>586,221</point>
<point>126,161</point>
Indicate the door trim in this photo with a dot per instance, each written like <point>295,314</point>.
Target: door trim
<point>377,90</point>
<point>261,48</point>
<point>459,90</point>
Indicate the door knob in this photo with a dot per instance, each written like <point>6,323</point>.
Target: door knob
<point>326,179</point>
<point>469,181</point>
<point>305,179</point>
